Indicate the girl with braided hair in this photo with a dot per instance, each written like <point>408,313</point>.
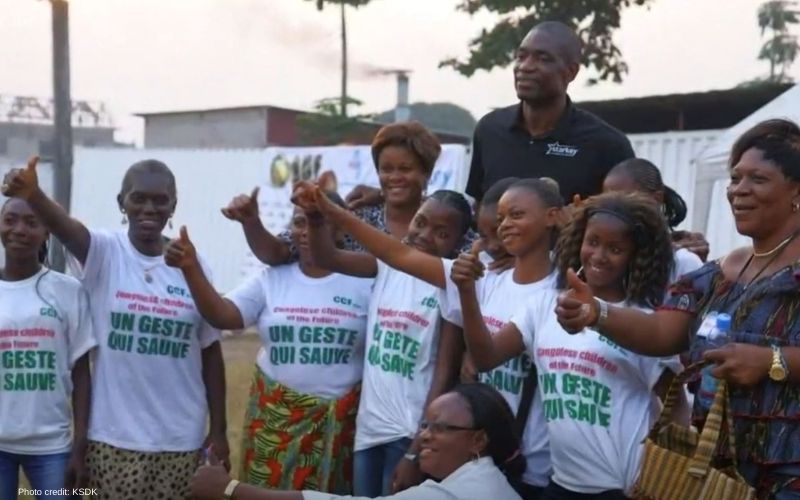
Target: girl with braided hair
<point>599,399</point>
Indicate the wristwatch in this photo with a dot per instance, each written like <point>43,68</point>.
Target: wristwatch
<point>229,489</point>
<point>602,313</point>
<point>412,457</point>
<point>778,371</point>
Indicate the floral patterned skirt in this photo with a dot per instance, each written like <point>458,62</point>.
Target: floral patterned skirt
<point>295,441</point>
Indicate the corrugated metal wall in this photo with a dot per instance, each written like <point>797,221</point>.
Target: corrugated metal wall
<point>674,154</point>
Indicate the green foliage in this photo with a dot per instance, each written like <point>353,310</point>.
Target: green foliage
<point>781,48</point>
<point>328,126</point>
<point>594,20</point>
<point>440,116</point>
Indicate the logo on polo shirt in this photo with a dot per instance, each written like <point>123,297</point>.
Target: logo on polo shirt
<point>557,149</point>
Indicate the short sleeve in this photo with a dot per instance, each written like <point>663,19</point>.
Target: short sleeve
<point>98,258</point>
<point>692,290</point>
<point>524,320</point>
<point>250,297</point>
<point>475,180</point>
<point>449,298</point>
<point>81,338</point>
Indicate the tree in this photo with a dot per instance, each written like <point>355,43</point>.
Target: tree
<point>440,116</point>
<point>594,20</point>
<point>781,48</point>
<point>328,125</point>
<point>342,4</point>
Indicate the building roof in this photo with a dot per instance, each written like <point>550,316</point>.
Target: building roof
<point>717,109</point>
<point>222,108</point>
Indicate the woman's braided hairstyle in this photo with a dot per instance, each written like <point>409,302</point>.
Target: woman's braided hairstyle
<point>650,265</point>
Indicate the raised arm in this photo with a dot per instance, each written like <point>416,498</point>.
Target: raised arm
<point>487,350</point>
<point>24,183</point>
<point>663,333</point>
<point>267,247</point>
<point>382,246</point>
<point>218,311</point>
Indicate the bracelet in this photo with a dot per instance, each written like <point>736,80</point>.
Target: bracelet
<point>229,489</point>
<point>602,313</point>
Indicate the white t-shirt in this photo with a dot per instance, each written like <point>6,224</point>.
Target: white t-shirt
<point>147,386</point>
<point>684,262</point>
<point>597,398</point>
<point>475,480</point>
<point>402,341</point>
<point>307,325</point>
<point>500,297</point>
<point>45,328</point>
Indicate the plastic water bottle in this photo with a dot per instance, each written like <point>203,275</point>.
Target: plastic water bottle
<point>717,337</point>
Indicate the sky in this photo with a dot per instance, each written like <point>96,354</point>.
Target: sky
<point>158,55</point>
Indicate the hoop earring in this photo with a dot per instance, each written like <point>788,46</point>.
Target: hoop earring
<point>476,456</point>
<point>124,217</point>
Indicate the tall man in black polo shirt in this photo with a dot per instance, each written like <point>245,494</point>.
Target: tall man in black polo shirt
<point>545,135</point>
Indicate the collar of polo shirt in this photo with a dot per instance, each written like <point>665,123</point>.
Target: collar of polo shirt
<point>561,130</point>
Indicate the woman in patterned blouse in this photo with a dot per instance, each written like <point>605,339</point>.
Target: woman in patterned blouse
<point>404,155</point>
<point>759,286</point>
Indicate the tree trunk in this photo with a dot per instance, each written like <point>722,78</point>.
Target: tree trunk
<point>344,62</point>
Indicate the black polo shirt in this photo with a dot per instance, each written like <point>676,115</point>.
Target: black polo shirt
<point>578,153</point>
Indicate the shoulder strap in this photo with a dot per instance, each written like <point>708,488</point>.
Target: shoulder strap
<point>525,403</point>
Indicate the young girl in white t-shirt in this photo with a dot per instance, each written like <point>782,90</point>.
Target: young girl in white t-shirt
<point>300,421</point>
<point>599,400</point>
<point>527,213</point>
<point>45,339</point>
<point>412,355</point>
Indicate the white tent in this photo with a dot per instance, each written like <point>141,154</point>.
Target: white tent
<point>712,213</point>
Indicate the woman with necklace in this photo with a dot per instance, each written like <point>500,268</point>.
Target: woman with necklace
<point>758,287</point>
<point>158,370</point>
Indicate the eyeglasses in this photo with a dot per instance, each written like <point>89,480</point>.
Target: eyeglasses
<point>440,427</point>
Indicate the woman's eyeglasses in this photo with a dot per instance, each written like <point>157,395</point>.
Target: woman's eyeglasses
<point>440,427</point>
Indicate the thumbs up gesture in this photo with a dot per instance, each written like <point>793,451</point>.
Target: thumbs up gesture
<point>21,182</point>
<point>576,307</point>
<point>243,208</point>
<point>468,268</point>
<point>180,252</point>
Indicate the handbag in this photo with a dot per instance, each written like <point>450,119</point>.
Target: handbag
<point>677,462</point>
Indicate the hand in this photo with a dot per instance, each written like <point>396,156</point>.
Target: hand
<point>740,364</point>
<point>406,475</point>
<point>180,253</point>
<point>217,445</point>
<point>363,196</point>
<point>468,268</point>
<point>327,181</point>
<point>77,475</point>
<point>566,213</point>
<point>309,197</point>
<point>209,481</point>
<point>694,242</point>
<point>468,371</point>
<point>21,182</point>
<point>243,208</point>
<point>576,307</point>
<point>504,263</point>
